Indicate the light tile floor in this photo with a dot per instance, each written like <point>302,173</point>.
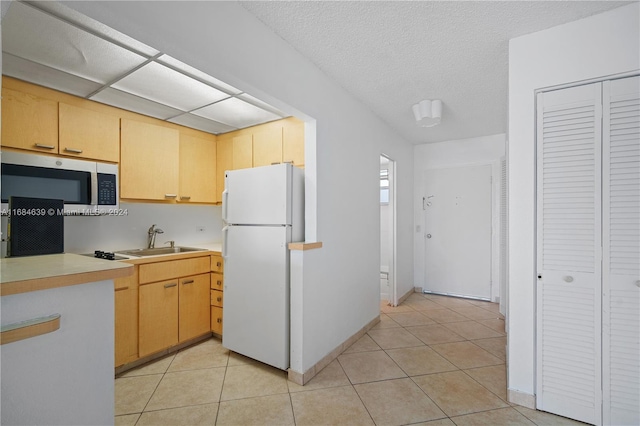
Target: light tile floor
<point>433,360</point>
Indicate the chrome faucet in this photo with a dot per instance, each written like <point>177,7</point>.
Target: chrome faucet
<point>151,238</point>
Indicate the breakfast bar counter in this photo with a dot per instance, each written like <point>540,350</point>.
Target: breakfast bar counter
<point>57,339</point>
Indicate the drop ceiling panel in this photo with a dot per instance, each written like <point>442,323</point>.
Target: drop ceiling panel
<point>45,76</point>
<point>172,62</point>
<point>134,103</point>
<point>95,27</point>
<point>237,113</point>
<point>203,124</point>
<point>257,102</point>
<point>39,37</point>
<point>161,84</point>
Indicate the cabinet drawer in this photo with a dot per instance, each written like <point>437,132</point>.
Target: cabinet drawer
<point>217,298</point>
<point>217,265</point>
<point>159,271</point>
<point>217,281</point>
<point>216,319</point>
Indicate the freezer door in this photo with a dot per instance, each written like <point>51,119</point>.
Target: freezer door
<point>256,293</point>
<point>261,195</point>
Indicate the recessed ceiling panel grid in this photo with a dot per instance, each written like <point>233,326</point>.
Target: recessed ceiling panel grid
<point>36,36</point>
<point>134,103</point>
<point>237,113</point>
<point>45,76</point>
<point>164,85</point>
<point>189,70</point>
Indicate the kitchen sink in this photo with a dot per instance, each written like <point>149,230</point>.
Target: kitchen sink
<point>158,251</point>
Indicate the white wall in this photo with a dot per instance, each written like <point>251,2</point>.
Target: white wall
<point>455,153</point>
<point>340,291</point>
<point>594,47</point>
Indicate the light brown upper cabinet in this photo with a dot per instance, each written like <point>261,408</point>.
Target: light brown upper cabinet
<point>197,170</point>
<point>149,161</point>
<point>293,142</point>
<point>88,134</point>
<point>242,152</point>
<point>267,147</point>
<point>29,122</point>
<point>224,150</point>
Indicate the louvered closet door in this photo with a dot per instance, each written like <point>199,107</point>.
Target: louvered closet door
<point>621,243</point>
<point>568,252</point>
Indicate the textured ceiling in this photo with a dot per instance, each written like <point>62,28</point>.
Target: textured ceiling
<point>391,55</point>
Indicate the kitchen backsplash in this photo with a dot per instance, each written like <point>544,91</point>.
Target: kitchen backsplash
<point>187,225</point>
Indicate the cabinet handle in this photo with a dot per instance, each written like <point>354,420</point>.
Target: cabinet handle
<point>187,282</point>
<point>219,320</point>
<point>122,288</point>
<point>219,283</point>
<point>170,195</point>
<point>170,285</point>
<point>75,151</point>
<point>568,278</point>
<point>43,146</point>
<point>218,264</point>
<point>277,162</point>
<point>187,197</point>
<point>288,162</point>
<point>219,299</point>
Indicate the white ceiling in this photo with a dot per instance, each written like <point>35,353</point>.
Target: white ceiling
<point>51,45</point>
<point>388,54</point>
<point>392,54</point>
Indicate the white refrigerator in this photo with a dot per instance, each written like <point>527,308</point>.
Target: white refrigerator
<point>263,211</point>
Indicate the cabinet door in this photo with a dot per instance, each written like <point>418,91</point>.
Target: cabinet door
<point>242,152</point>
<point>224,151</point>
<point>29,122</point>
<point>217,281</point>
<point>216,320</point>
<point>197,170</point>
<point>293,144</point>
<point>126,318</point>
<point>194,296</point>
<point>149,161</point>
<point>267,147</point>
<point>158,316</point>
<point>88,134</point>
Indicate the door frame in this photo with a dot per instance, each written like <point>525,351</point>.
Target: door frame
<point>392,275</point>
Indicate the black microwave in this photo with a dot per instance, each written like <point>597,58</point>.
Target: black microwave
<point>86,187</point>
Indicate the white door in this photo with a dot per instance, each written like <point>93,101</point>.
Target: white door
<point>568,252</point>
<point>256,293</point>
<point>621,245</point>
<point>457,211</point>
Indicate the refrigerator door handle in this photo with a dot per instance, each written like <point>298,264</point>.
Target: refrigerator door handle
<point>225,204</point>
<point>225,234</point>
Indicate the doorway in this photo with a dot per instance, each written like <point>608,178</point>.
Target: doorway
<point>387,231</point>
<point>458,231</point>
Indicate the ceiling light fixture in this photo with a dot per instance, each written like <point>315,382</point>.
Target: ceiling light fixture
<point>428,112</point>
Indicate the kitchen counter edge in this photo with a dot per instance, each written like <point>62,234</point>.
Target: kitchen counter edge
<point>33,273</point>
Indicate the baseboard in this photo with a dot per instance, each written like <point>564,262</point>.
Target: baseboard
<point>140,361</point>
<point>405,296</point>
<point>521,398</point>
<point>302,378</point>
<point>417,289</point>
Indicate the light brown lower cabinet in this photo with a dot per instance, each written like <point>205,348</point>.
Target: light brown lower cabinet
<point>216,320</point>
<point>193,312</point>
<point>126,321</point>
<point>158,316</point>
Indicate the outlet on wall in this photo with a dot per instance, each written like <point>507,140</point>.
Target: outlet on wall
<point>200,228</point>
